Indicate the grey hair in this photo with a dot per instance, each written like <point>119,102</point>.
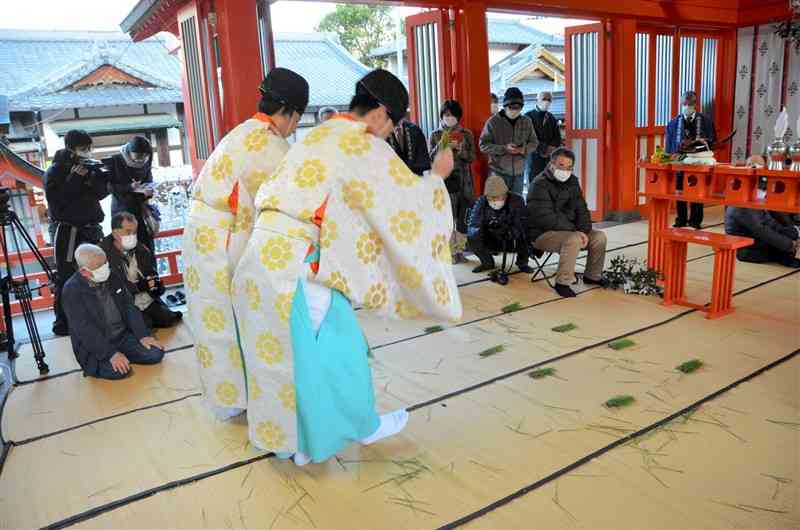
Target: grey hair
<point>85,252</point>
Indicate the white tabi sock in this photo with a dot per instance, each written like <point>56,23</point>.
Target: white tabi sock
<point>300,459</point>
<point>391,424</point>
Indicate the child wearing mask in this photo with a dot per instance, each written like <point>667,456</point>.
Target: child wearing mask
<point>497,223</point>
<point>459,184</point>
<point>508,138</point>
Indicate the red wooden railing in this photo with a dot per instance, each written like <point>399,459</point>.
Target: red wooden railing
<point>43,298</point>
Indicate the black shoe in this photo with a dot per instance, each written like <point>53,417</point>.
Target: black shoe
<point>61,330</point>
<point>696,226</point>
<point>602,282</point>
<point>525,269</point>
<point>483,268</point>
<point>565,291</point>
<point>679,223</point>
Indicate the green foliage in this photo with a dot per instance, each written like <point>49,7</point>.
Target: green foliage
<point>492,351</point>
<point>361,28</point>
<point>510,308</point>
<point>434,329</point>
<point>619,401</point>
<point>542,372</point>
<point>621,344</point>
<point>563,328</point>
<point>632,276</point>
<point>689,366</point>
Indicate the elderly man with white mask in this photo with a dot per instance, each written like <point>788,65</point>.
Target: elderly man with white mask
<point>107,330</point>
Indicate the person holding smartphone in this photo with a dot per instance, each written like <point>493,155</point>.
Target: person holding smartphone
<point>508,138</point>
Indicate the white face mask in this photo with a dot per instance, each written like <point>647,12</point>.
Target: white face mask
<point>128,242</point>
<point>543,105</point>
<point>101,274</point>
<point>84,154</point>
<point>688,110</point>
<point>450,121</point>
<point>562,175</point>
<point>512,113</point>
<point>497,205</point>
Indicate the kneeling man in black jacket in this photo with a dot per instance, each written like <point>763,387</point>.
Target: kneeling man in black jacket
<point>497,224</point>
<point>559,221</point>
<point>107,330</point>
<point>131,260</point>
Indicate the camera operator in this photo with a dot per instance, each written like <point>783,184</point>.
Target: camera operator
<point>497,223</point>
<point>131,260</point>
<point>131,185</point>
<point>74,186</point>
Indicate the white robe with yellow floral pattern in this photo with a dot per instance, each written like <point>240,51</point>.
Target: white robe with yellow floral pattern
<point>215,237</point>
<point>383,243</point>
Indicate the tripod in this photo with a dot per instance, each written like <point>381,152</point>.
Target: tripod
<point>20,287</point>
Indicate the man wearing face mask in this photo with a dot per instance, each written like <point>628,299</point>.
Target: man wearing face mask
<point>74,187</point>
<point>343,222</point>
<point>688,127</point>
<point>508,137</point>
<point>106,329</point>
<point>219,224</point>
<point>498,223</point>
<point>545,125</point>
<point>131,184</point>
<point>559,221</point>
<point>133,261</point>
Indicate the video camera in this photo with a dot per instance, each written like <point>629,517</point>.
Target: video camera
<point>96,168</point>
<point>156,291</point>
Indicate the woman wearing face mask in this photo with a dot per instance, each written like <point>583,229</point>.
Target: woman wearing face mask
<point>131,184</point>
<point>507,138</point>
<point>133,261</point>
<point>498,223</point>
<point>459,184</point>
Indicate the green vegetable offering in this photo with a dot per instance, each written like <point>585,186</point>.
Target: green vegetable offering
<point>619,401</point>
<point>621,344</point>
<point>445,141</point>
<point>492,351</point>
<point>510,308</point>
<point>563,328</point>
<point>434,329</point>
<point>542,372</point>
<point>690,366</point>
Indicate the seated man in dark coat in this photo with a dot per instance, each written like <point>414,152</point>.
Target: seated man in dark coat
<point>777,238</point>
<point>106,328</point>
<point>559,221</point>
<point>131,260</point>
<point>497,224</point>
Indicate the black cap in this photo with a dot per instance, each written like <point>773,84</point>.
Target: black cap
<point>286,87</point>
<point>513,96</point>
<point>388,90</point>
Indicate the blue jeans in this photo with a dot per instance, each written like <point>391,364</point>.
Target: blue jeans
<point>136,354</point>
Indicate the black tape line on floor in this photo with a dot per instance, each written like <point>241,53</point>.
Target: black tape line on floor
<point>99,510</point>
<point>18,382</point>
<point>613,445</point>
<point>26,441</point>
<point>580,350</point>
<point>94,512</point>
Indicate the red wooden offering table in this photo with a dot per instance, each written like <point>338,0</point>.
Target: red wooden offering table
<point>724,247</point>
<point>719,184</point>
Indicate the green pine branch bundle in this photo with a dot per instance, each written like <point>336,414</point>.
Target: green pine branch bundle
<point>492,351</point>
<point>619,401</point>
<point>434,329</point>
<point>563,328</point>
<point>689,366</point>
<point>542,372</point>
<point>621,344</point>
<point>510,308</point>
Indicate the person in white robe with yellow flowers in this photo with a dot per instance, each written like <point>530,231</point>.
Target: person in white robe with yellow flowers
<point>343,222</point>
<point>220,221</point>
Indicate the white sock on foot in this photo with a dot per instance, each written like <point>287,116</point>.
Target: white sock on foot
<point>300,459</point>
<point>391,424</point>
